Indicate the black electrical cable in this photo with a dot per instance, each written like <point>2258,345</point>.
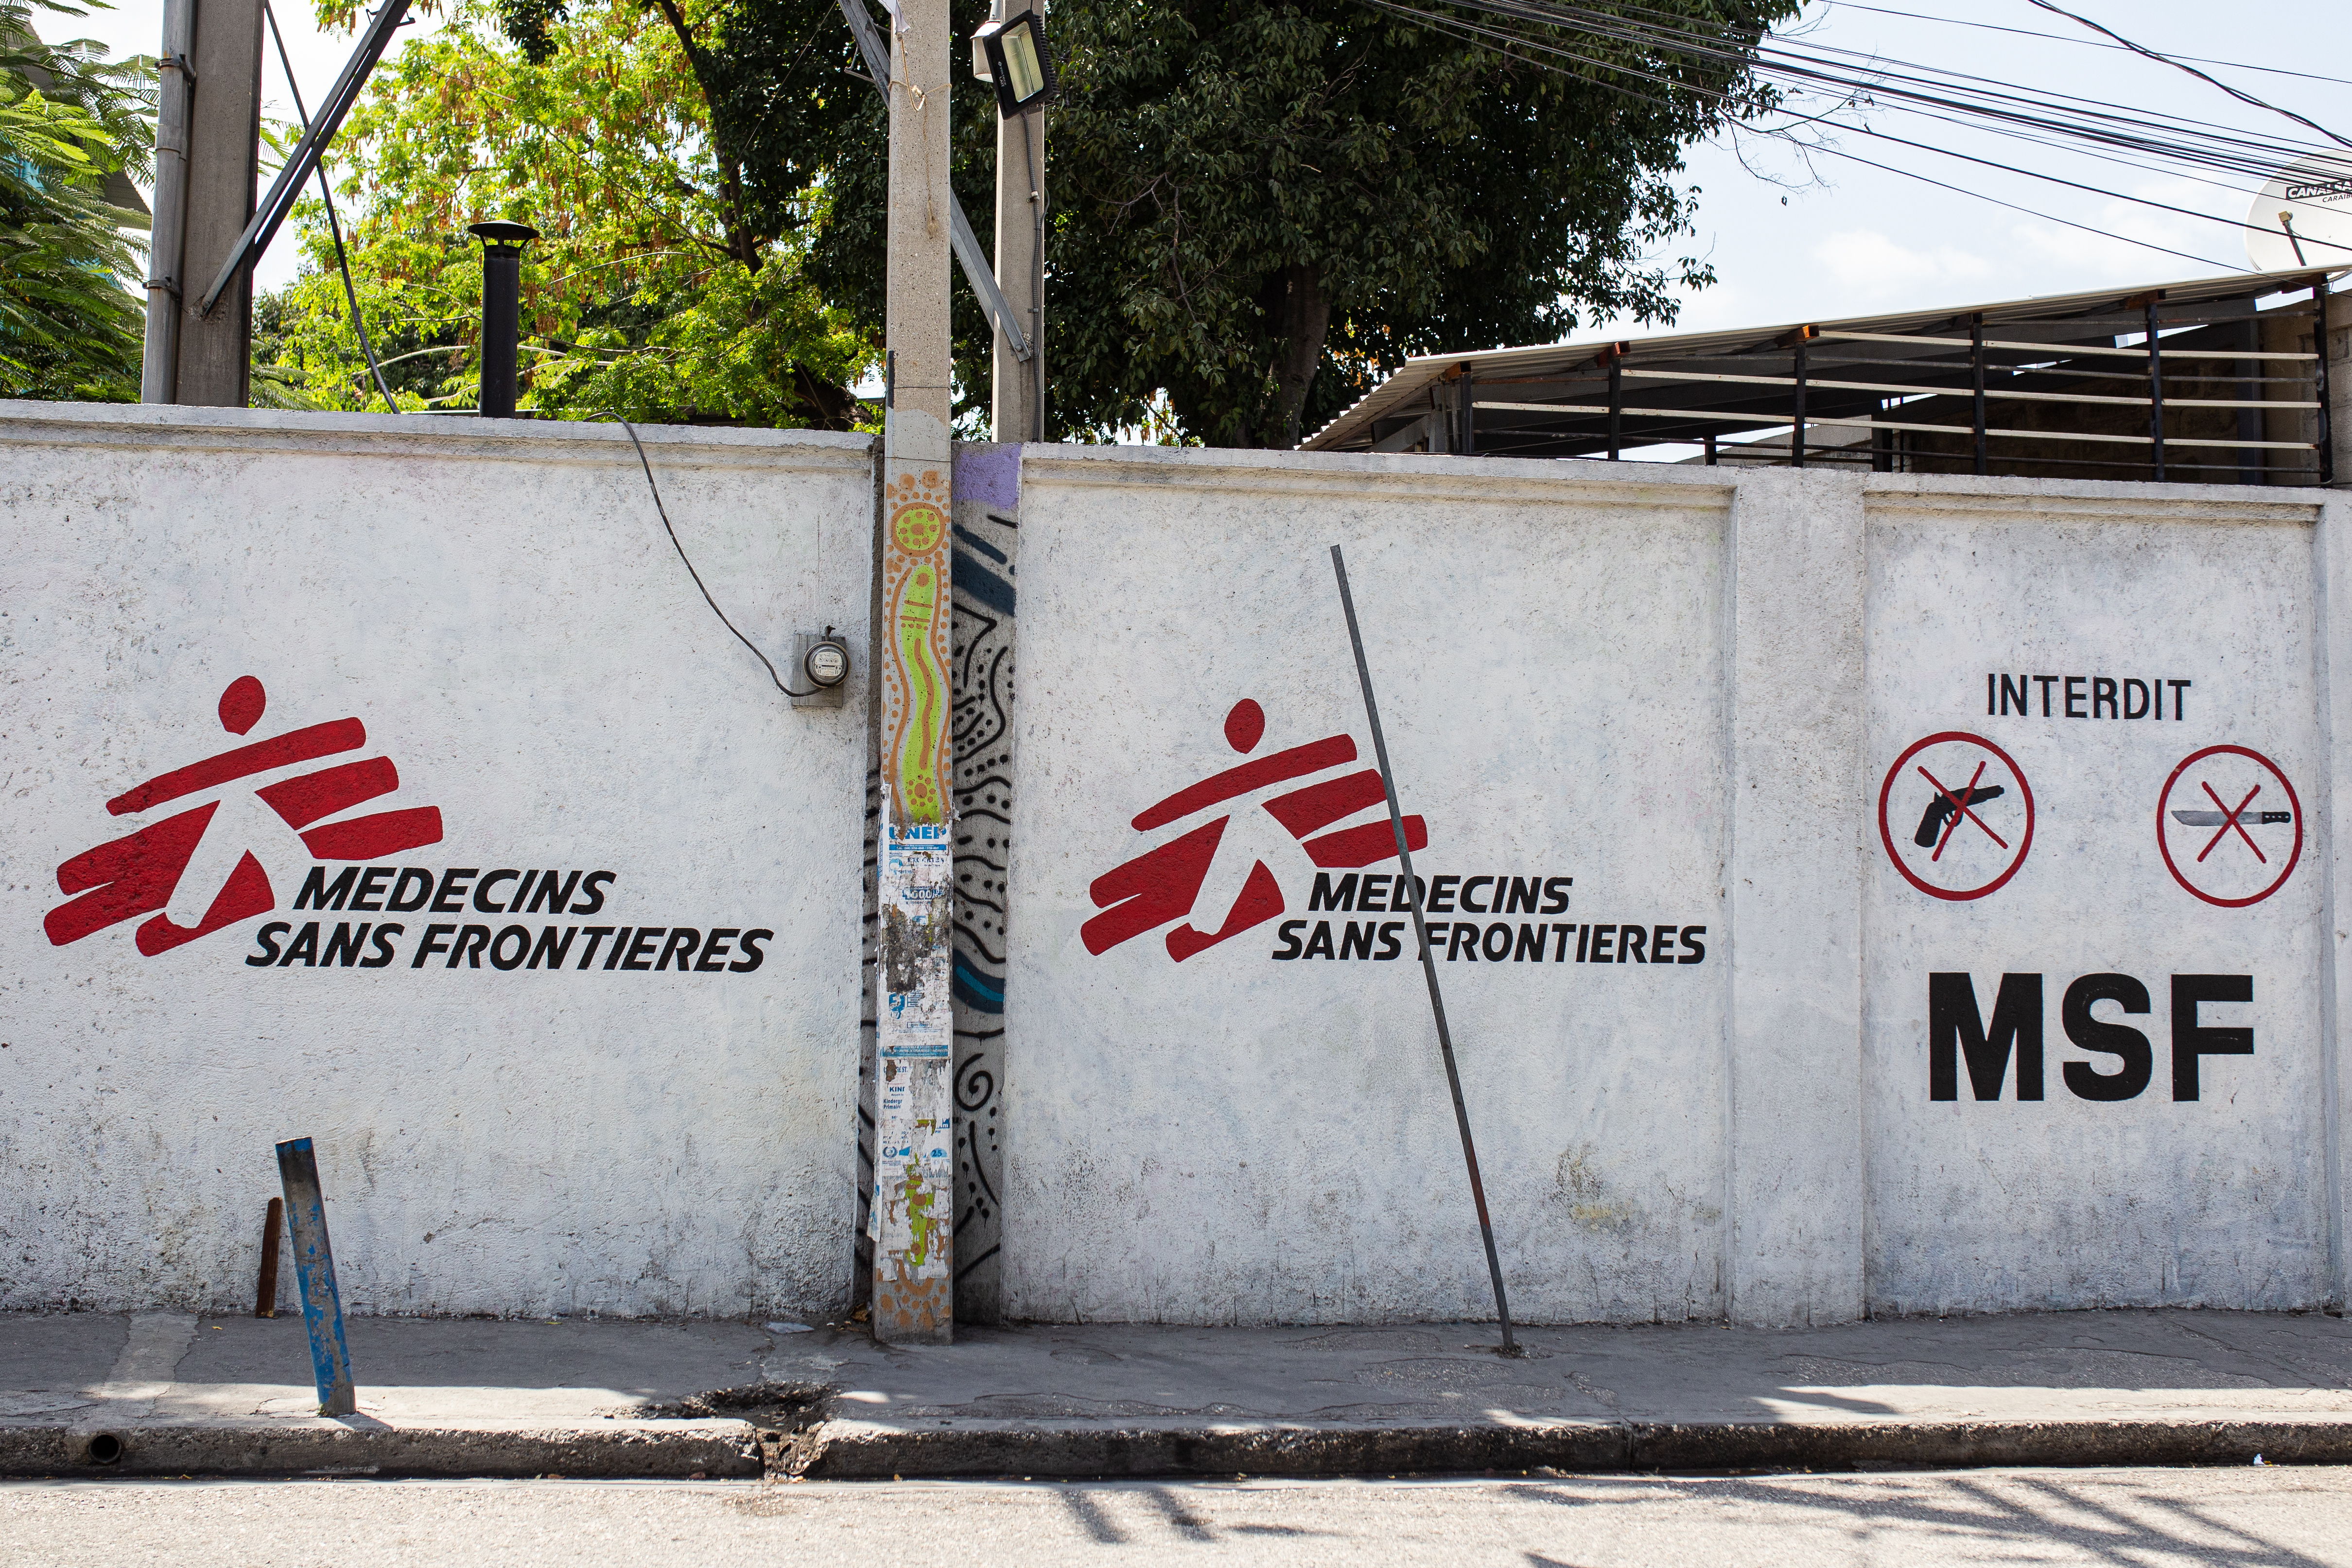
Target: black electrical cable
<point>2046,217</point>
<point>1478,36</point>
<point>2240,94</point>
<point>2091,119</point>
<point>2084,43</point>
<point>342,261</point>
<point>631,431</point>
<point>1463,30</point>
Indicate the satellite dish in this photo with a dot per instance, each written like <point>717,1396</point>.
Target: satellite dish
<point>2303,217</point>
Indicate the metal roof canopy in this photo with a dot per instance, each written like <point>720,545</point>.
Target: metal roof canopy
<point>1690,387</point>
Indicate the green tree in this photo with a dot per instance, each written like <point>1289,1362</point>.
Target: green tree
<point>73,126</point>
<point>1262,208</point>
<point>666,286</point>
<point>1258,208</point>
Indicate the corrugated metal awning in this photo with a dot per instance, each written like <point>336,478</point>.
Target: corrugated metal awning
<point>1886,371</point>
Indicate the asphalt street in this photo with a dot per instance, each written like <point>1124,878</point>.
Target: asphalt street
<point>2257,1518</point>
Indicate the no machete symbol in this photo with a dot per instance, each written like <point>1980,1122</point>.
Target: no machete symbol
<point>1976,815</point>
<point>2228,843</point>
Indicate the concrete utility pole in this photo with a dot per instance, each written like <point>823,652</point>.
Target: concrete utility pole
<point>1019,388</point>
<point>207,165</point>
<point>913,1215</point>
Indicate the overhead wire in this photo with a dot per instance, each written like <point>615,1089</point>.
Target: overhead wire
<point>1787,59</point>
<point>2238,93</point>
<point>2112,127</point>
<point>2082,43</point>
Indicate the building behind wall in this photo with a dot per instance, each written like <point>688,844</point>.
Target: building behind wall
<point>2059,386</point>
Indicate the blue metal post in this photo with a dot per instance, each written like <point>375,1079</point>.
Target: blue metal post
<point>314,1268</point>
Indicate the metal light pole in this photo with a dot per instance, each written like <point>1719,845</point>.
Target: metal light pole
<point>913,1215</point>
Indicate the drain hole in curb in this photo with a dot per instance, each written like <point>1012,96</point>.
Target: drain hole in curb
<point>784,1418</point>
<point>103,1449</point>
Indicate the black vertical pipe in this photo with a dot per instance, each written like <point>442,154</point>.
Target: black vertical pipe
<point>1977,380</point>
<point>502,245</point>
<point>502,324</point>
<point>1710,449</point>
<point>2319,380</point>
<point>264,1285</point>
<point>2155,396</point>
<point>1616,403</point>
<point>1797,436</point>
<point>2250,420</point>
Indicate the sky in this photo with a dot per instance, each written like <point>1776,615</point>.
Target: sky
<point>1851,240</point>
<point>1840,239</point>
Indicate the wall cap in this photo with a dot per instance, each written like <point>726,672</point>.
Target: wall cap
<point>170,427</point>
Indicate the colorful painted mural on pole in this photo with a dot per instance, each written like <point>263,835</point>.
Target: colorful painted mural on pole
<point>915,696</point>
<point>909,1218</point>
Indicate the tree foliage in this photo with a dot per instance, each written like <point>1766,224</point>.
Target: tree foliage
<point>1257,208</point>
<point>1261,208</point>
<point>664,284</point>
<point>71,124</point>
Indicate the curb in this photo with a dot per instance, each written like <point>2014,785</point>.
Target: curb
<point>712,1448</point>
<point>850,1450</point>
<point>863,1451</point>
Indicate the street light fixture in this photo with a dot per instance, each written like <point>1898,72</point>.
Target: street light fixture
<point>1013,55</point>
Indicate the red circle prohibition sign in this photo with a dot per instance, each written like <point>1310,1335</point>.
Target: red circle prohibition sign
<point>1885,837</point>
<point>2293,804</point>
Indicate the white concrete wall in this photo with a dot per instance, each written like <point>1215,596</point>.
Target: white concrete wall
<point>1236,1138</point>
<point>1686,688</point>
<point>1682,688</point>
<point>2072,1202</point>
<point>499,605</point>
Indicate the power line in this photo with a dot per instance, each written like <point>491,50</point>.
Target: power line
<point>1505,43</point>
<point>1899,85</point>
<point>2079,43</point>
<point>2219,152</point>
<point>2243,96</point>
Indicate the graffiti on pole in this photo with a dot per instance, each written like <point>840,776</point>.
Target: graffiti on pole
<point>910,1203</point>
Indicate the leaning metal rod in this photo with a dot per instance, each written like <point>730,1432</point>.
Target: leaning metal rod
<point>1428,960</point>
<point>314,1269</point>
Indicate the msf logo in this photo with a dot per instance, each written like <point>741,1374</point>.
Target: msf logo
<point>141,874</point>
<point>1165,883</point>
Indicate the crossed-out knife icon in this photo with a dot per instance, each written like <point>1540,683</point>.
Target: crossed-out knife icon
<point>2216,819</point>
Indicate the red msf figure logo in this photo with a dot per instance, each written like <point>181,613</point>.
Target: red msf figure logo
<point>138,875</point>
<point>1163,884</point>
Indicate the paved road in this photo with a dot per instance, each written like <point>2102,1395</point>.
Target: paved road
<point>2246,1518</point>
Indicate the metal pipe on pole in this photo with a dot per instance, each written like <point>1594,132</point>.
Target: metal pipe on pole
<point>212,361</point>
<point>158,364</point>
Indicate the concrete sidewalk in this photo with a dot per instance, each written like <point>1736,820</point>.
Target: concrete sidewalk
<point>473,1397</point>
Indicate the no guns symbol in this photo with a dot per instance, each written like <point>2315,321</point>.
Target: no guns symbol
<point>1975,816</point>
